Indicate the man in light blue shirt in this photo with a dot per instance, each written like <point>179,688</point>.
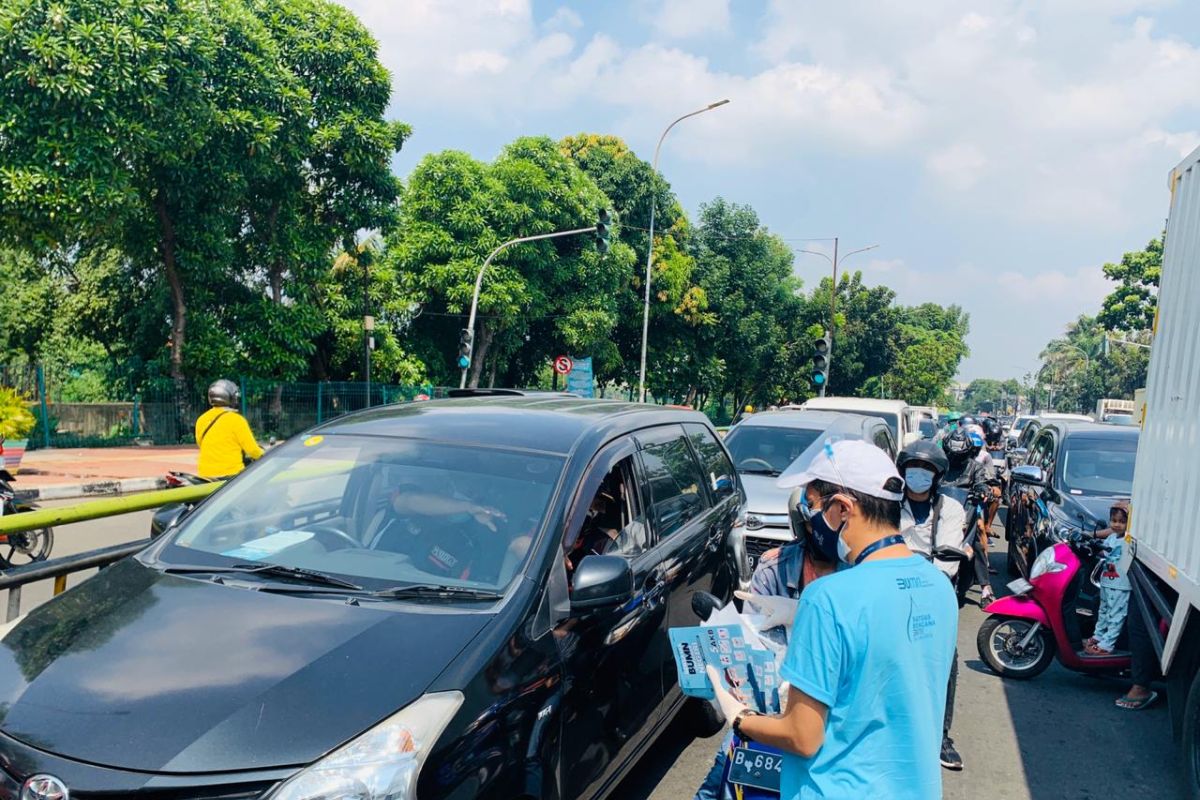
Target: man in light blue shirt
<point>870,651</point>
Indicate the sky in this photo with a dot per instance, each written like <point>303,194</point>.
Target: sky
<point>998,152</point>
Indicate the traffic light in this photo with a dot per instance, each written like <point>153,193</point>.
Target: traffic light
<point>464,348</point>
<point>603,231</point>
<point>820,361</point>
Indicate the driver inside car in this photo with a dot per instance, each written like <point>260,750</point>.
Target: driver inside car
<point>442,533</point>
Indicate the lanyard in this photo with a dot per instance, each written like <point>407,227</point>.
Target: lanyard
<point>886,541</point>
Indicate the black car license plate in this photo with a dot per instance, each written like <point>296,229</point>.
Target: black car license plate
<point>757,767</point>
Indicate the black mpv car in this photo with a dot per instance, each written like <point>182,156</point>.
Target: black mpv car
<point>1070,477</point>
<point>393,605</point>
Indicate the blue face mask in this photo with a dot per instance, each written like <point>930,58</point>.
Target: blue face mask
<point>918,480</point>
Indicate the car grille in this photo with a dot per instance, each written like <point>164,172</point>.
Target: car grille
<point>757,545</point>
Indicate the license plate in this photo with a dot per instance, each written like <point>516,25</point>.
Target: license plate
<point>1020,586</point>
<point>756,766</point>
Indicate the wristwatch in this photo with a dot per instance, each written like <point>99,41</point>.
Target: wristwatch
<point>737,722</point>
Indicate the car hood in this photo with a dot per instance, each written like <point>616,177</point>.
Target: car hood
<point>143,671</point>
<point>1094,510</point>
<point>763,496</point>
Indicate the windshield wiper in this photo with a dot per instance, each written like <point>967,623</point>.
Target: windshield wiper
<point>308,575</point>
<point>435,591</point>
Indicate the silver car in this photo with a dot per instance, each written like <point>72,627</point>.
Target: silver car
<point>766,445</point>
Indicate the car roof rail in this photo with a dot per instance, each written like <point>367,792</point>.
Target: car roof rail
<point>499,392</point>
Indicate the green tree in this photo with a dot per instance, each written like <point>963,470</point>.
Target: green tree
<point>746,274</point>
<point>990,394</point>
<point>537,299</point>
<point>1131,306</point>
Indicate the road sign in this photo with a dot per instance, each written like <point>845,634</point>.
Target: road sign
<point>579,381</point>
<point>563,365</point>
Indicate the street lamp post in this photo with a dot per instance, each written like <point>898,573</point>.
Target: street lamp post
<point>834,262</point>
<point>479,285</point>
<point>650,247</point>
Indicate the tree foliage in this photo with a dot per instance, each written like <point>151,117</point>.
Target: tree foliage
<point>1131,306</point>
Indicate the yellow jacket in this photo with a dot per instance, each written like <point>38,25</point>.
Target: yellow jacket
<point>221,448</point>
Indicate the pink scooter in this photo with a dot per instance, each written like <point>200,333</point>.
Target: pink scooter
<point>1054,612</point>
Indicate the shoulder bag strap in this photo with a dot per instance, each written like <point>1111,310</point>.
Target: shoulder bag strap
<point>209,428</point>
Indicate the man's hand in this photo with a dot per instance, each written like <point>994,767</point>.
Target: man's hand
<point>730,706</point>
<point>487,517</point>
<point>776,611</point>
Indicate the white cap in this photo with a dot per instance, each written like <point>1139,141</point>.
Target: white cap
<point>853,464</point>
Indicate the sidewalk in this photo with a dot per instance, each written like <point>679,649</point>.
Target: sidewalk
<point>61,474</point>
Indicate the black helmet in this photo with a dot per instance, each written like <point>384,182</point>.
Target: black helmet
<point>992,430</point>
<point>925,452</point>
<point>223,393</point>
<point>965,420</point>
<point>957,446</point>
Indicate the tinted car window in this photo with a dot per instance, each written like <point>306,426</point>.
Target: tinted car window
<point>388,511</point>
<point>674,479</point>
<point>717,469</point>
<point>1042,454</point>
<point>928,428</point>
<point>767,449</point>
<point>1098,466</point>
<point>884,442</point>
<point>892,420</point>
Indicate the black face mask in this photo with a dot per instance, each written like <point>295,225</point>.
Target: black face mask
<point>822,538</point>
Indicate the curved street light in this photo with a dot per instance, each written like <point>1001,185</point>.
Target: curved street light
<point>650,248</point>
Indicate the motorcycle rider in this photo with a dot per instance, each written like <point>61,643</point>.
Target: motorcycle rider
<point>223,435</point>
<point>974,473</point>
<point>931,520</point>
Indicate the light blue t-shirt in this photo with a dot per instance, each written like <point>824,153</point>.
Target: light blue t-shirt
<point>874,644</point>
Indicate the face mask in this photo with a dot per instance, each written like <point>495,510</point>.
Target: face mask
<point>828,540</point>
<point>918,479</point>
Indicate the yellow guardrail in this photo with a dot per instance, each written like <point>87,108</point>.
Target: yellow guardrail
<point>105,507</point>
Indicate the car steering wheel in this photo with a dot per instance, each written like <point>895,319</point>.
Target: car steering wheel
<point>327,534</point>
<point>752,462</point>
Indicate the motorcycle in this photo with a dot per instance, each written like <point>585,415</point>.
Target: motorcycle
<point>168,517</point>
<point>25,547</point>
<point>976,504</point>
<point>1050,615</point>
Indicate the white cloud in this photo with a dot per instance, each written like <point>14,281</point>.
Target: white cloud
<point>958,166</point>
<point>684,19</point>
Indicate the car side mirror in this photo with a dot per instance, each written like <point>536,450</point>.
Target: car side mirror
<point>167,518</point>
<point>601,582</point>
<point>1029,475</point>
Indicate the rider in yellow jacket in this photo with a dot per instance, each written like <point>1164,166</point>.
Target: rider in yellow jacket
<point>223,434</point>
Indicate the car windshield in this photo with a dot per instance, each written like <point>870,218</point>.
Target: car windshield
<point>1098,466</point>
<point>1119,419</point>
<point>767,449</point>
<point>1021,422</point>
<point>380,512</point>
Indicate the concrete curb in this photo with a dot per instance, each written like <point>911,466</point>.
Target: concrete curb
<point>97,489</point>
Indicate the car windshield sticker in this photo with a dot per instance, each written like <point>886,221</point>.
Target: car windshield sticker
<point>258,549</point>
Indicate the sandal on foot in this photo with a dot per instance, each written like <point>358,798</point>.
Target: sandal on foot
<point>1136,705</point>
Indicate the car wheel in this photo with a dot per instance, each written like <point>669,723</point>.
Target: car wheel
<point>704,718</point>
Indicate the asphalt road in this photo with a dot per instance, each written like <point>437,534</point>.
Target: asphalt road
<point>1057,737</point>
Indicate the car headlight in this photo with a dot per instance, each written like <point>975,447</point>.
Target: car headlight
<point>1045,564</point>
<point>381,764</point>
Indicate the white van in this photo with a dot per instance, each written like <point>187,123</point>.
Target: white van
<point>903,419</point>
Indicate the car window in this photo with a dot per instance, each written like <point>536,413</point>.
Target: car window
<point>767,449</point>
<point>892,420</point>
<point>379,511</point>
<point>615,523</point>
<point>718,471</point>
<point>884,442</point>
<point>1028,435</point>
<point>1042,454</point>
<point>674,481</point>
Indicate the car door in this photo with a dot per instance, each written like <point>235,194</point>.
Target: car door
<point>881,437</point>
<point>612,658</point>
<point>728,500</point>
<point>683,518</point>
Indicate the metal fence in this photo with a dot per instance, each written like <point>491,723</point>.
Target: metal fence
<point>162,415</point>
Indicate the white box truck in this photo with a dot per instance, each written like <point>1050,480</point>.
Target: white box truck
<point>1165,520</point>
